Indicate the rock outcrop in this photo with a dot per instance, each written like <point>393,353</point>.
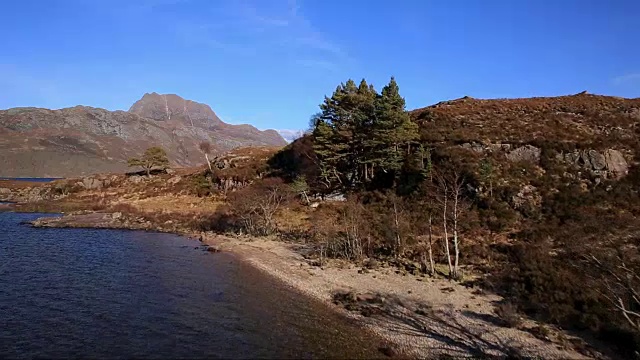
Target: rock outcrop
<point>616,163</point>
<point>525,153</point>
<point>610,162</point>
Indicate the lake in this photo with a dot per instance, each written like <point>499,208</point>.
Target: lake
<point>90,293</point>
<point>30,179</point>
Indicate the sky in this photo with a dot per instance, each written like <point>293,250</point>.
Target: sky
<point>270,62</point>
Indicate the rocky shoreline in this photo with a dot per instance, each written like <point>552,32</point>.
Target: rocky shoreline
<point>415,315</point>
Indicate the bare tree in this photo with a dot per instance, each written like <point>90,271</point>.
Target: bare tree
<point>206,149</point>
<point>256,205</point>
<point>443,198</point>
<point>452,202</point>
<point>456,185</point>
<point>620,282</point>
<point>432,264</point>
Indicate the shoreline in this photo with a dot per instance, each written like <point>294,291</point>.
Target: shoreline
<point>417,316</point>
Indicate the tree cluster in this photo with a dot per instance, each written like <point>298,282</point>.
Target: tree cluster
<point>360,135</point>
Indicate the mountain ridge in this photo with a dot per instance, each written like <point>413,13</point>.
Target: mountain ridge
<point>81,140</point>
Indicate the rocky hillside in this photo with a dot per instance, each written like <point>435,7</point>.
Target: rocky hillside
<point>595,133</point>
<point>83,140</point>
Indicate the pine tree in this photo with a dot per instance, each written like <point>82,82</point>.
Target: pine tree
<point>359,132</point>
<point>322,146</point>
<point>364,128</point>
<point>394,131</point>
<point>344,126</point>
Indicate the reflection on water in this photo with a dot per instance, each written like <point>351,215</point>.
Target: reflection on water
<point>111,293</point>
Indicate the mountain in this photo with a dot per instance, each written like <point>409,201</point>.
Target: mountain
<point>290,135</point>
<point>82,140</point>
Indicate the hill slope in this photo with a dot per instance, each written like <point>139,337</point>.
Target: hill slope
<point>83,140</point>
<point>576,119</point>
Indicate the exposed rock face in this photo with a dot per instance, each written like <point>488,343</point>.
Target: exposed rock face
<point>91,183</point>
<point>83,140</point>
<point>597,160</point>
<point>616,163</point>
<point>610,163</point>
<point>525,153</point>
<point>172,107</point>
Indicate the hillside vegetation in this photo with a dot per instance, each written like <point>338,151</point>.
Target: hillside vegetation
<point>536,199</point>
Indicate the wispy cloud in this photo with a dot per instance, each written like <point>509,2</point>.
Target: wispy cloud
<point>627,79</point>
<point>205,35</point>
<point>255,27</point>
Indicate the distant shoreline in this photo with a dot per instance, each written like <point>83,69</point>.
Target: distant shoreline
<point>30,179</point>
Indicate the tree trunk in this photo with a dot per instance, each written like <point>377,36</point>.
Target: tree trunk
<point>446,233</point>
<point>397,228</point>
<point>431,262</point>
<point>455,230</point>
<point>148,169</point>
<point>206,156</point>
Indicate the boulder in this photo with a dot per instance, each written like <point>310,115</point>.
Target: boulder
<point>335,197</point>
<point>596,159</point>
<point>90,183</point>
<point>528,195</point>
<point>528,153</point>
<point>473,147</point>
<point>174,180</point>
<point>136,179</point>
<point>34,194</point>
<point>616,163</point>
<point>572,157</point>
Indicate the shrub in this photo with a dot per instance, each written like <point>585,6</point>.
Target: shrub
<point>508,314</point>
<point>256,205</point>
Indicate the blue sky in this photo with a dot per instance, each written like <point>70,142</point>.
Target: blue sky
<point>269,63</point>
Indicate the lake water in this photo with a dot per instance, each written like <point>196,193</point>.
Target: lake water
<point>30,179</point>
<point>88,293</point>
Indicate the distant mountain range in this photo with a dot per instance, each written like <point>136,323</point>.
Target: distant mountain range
<point>36,142</point>
<point>290,135</point>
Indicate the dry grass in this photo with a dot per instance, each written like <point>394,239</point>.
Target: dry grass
<point>177,204</point>
<point>13,184</point>
<point>600,121</point>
